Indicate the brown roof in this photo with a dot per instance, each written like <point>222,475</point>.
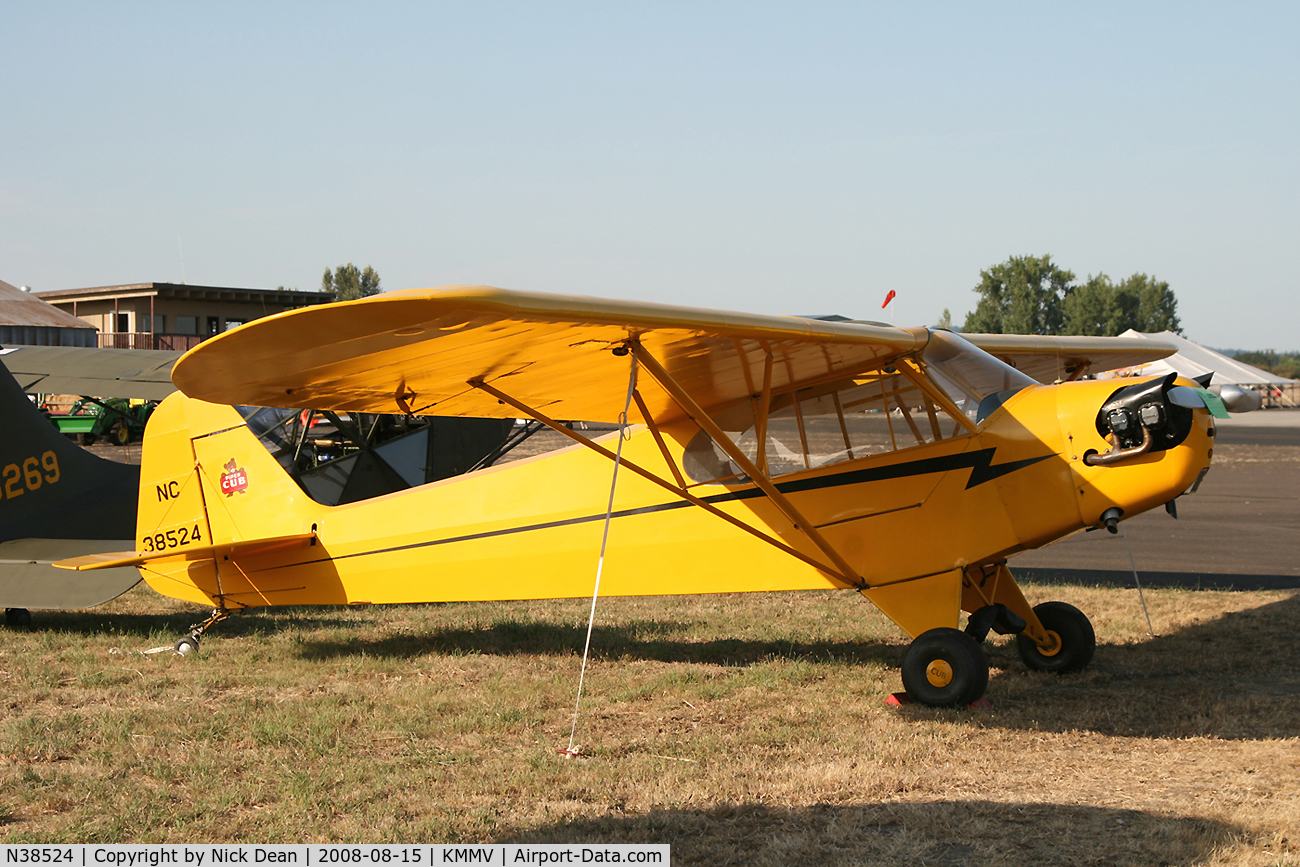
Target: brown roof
<point>22,308</point>
<point>292,297</point>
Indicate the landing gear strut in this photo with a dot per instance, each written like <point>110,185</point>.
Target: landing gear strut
<point>190,643</point>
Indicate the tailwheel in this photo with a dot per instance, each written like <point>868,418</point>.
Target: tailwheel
<point>187,645</point>
<point>1073,641</point>
<point>945,668</point>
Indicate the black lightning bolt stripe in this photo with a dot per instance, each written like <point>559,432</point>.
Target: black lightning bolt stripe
<point>980,463</point>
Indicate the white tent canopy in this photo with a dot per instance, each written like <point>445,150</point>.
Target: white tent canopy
<point>1192,360</point>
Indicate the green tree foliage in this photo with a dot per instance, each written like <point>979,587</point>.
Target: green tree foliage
<point>1102,307</point>
<point>346,283</point>
<point>1031,295</point>
<point>1157,306</point>
<point>1275,363</point>
<point>1023,295</point>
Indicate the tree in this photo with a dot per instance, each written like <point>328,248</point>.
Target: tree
<point>346,283</point>
<point>1089,309</point>
<point>1101,307</point>
<point>1031,295</point>
<point>1157,308</point>
<point>1023,295</point>
<point>1278,364</point>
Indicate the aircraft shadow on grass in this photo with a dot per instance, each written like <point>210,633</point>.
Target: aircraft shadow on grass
<point>943,833</point>
<point>269,621</point>
<point>658,640</point>
<point>1236,677</point>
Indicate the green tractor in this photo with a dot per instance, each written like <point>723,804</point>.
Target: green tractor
<point>116,420</point>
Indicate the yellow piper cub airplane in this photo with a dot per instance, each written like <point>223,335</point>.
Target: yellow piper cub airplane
<point>764,453</point>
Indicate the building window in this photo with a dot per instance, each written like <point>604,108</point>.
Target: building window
<point>157,326</point>
<point>234,323</point>
<point>187,325</point>
<point>122,322</point>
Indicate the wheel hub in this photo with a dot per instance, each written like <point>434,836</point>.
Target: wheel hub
<point>1051,644</point>
<point>939,673</point>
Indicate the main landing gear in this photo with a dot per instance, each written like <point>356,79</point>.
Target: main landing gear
<point>947,667</point>
<point>190,643</point>
<point>1075,642</point>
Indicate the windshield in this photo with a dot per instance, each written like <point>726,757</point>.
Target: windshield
<point>975,381</point>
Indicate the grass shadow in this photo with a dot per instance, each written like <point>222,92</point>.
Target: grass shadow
<point>945,833</point>
<point>653,640</point>
<point>134,624</point>
<point>1235,677</point>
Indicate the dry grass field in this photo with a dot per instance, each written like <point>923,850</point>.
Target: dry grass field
<point>744,729</point>
<point>741,729</point>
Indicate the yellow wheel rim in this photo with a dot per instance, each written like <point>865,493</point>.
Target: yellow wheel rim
<point>939,673</point>
<point>1053,644</point>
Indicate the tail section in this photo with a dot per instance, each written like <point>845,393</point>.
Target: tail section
<point>57,500</point>
<point>51,488</point>
<point>208,489</point>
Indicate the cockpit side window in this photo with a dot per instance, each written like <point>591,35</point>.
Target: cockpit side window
<point>868,414</point>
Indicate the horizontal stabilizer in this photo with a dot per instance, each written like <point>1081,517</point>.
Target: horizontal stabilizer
<point>137,558</point>
<point>28,580</point>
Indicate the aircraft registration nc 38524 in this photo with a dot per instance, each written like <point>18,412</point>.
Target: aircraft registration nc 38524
<point>764,453</point>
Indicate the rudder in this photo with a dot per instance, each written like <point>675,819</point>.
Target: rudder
<point>206,480</point>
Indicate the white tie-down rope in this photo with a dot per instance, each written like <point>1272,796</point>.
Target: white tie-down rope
<point>604,539</point>
<point>1150,629</point>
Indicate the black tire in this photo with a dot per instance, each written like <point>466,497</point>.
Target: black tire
<point>1078,641</point>
<point>18,618</point>
<point>945,668</point>
<point>121,434</point>
<point>186,646</point>
<point>87,439</point>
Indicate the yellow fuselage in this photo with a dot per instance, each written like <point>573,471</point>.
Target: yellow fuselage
<point>910,522</point>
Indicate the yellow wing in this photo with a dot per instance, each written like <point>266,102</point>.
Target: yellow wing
<point>418,350</point>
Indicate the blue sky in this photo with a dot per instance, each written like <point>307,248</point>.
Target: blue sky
<point>776,158</point>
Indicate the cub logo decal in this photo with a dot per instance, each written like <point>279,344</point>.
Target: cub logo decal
<point>233,480</point>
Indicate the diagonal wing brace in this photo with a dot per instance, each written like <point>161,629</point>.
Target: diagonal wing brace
<point>838,571</point>
<point>844,571</point>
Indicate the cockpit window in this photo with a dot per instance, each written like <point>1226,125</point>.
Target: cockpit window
<point>872,413</point>
<point>341,458</point>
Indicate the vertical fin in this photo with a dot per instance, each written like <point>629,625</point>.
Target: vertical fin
<point>207,480</point>
<point>51,488</point>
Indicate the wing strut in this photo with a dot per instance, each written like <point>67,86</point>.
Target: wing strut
<point>842,576</point>
<point>724,442</point>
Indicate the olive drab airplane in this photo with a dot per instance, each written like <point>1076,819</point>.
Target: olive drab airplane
<point>763,453</point>
<point>58,500</point>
